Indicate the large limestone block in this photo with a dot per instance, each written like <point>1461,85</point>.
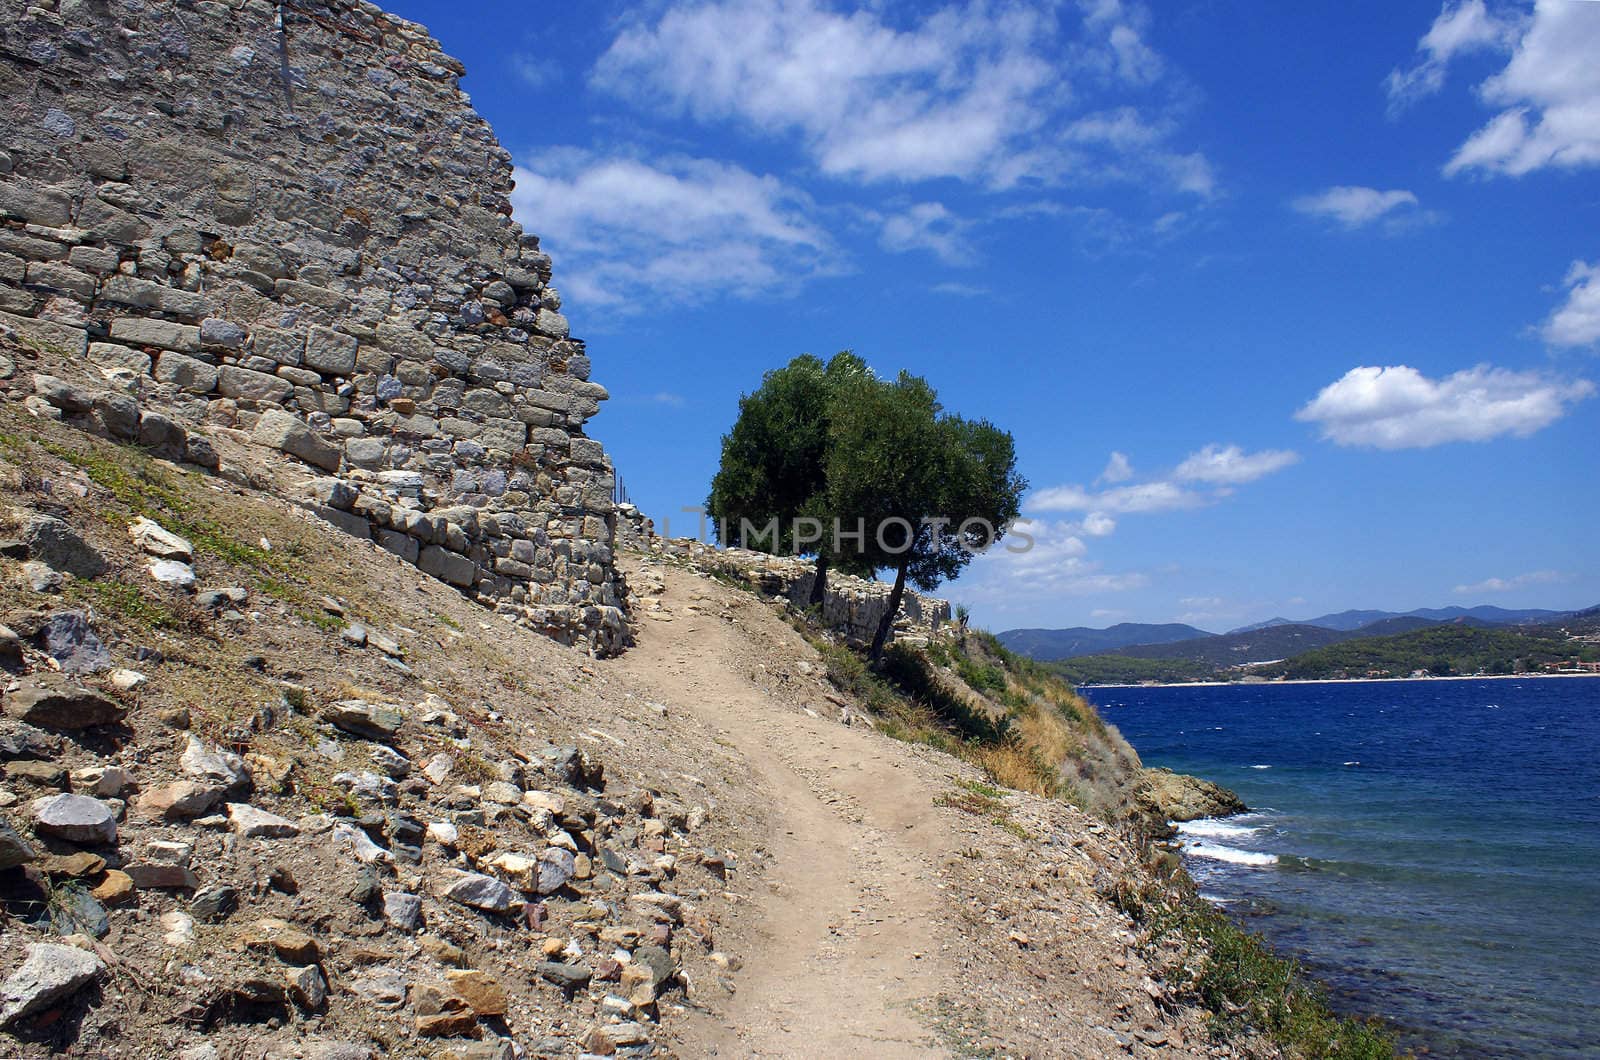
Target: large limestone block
<point>286,432</point>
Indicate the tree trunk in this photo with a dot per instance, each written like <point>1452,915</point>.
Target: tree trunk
<point>887,622</point>
<point>819,584</point>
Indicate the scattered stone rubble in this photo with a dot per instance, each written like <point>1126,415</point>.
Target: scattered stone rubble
<point>443,883</point>
<point>286,222</point>
<point>577,879</point>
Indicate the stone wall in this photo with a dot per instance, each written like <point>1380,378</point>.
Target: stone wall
<point>286,218</point>
<point>852,606</point>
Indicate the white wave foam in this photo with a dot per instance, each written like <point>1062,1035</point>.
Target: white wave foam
<point>1218,852</point>
<point>1211,828</point>
<point>1260,767</point>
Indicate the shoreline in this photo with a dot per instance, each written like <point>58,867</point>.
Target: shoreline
<point>1331,681</point>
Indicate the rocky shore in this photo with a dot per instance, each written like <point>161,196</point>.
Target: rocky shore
<point>1178,797</point>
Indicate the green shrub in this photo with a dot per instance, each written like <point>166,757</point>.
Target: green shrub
<point>1236,977</point>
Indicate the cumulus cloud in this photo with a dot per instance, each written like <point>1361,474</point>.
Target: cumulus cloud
<point>927,226</point>
<point>1216,466</point>
<point>1577,321</point>
<point>1461,28</point>
<point>1354,206</point>
<point>628,229</point>
<point>1118,468</point>
<point>1505,585</point>
<point>1397,407</point>
<point>1045,558</point>
<point>1098,524</point>
<point>1232,466</point>
<point>1548,94</point>
<point>976,91</point>
<point>1138,498</point>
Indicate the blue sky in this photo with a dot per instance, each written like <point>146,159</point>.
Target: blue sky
<point>1290,307</point>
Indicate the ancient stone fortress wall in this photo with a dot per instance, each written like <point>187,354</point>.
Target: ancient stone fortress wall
<point>285,218</point>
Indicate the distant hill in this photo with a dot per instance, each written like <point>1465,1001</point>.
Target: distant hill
<point>1397,647</point>
<point>1577,623</point>
<point>1050,644</point>
<point>1233,649</point>
<point>1268,624</point>
<point>1281,641</point>
<point>1441,649</point>
<point>1352,620</point>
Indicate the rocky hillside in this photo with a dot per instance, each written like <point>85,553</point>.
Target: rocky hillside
<point>268,790</point>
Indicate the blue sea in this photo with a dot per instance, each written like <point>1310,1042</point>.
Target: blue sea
<point>1429,849</point>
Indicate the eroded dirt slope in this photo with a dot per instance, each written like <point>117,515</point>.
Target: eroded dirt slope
<point>446,870</point>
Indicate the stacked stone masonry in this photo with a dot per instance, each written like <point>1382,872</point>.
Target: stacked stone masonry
<point>286,218</point>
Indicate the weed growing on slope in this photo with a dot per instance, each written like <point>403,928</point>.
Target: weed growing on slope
<point>142,485</point>
<point>1235,976</point>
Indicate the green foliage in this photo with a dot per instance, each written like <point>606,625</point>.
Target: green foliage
<point>929,489</point>
<point>1245,986</point>
<point>1440,650</point>
<point>774,459</point>
<point>147,488</point>
<point>985,677</point>
<point>1122,669</point>
<point>908,670</point>
<point>897,459</point>
<point>129,603</point>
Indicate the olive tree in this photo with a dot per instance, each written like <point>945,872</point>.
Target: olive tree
<point>916,489</point>
<point>770,489</point>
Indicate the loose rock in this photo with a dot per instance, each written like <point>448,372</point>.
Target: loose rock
<point>77,819</point>
<point>481,892</point>
<point>14,850</point>
<point>371,721</point>
<point>251,823</point>
<point>50,973</point>
<point>62,706</point>
<point>155,540</point>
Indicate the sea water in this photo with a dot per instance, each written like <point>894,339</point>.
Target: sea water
<point>1429,849</point>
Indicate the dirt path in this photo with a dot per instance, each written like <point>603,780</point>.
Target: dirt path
<point>845,942</point>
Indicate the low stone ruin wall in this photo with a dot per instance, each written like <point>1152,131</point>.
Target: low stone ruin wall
<point>852,606</point>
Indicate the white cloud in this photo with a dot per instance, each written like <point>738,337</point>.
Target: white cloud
<point>1232,466</point>
<point>1139,498</point>
<point>1397,407</point>
<point>1548,95</point>
<point>1354,206</point>
<point>1215,466</point>
<point>1098,524</point>
<point>626,229</point>
<point>1053,565</point>
<point>1577,322</point>
<point>536,73</point>
<point>961,290</point>
<point>978,91</point>
<point>1118,468</point>
<point>1461,28</point>
<point>927,226</point>
<point>1505,585</point>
